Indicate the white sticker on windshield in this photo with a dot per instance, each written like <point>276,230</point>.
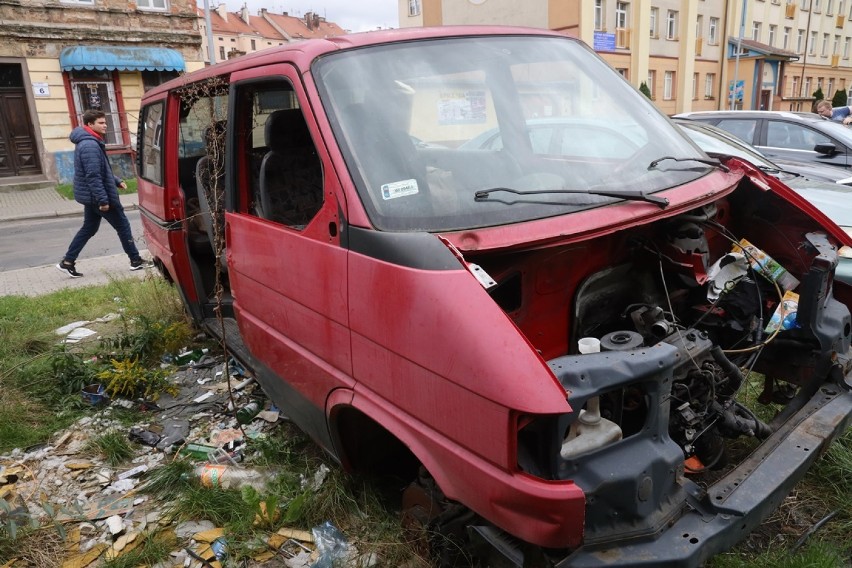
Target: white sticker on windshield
<point>399,189</point>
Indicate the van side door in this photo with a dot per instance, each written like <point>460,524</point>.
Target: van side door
<point>286,265</point>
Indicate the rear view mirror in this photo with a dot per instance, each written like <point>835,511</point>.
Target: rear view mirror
<point>827,149</point>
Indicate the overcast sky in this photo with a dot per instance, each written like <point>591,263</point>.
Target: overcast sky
<point>353,15</point>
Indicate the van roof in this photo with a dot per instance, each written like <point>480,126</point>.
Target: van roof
<point>302,53</point>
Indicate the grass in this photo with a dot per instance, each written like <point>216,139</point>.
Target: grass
<point>40,381</point>
<point>112,446</point>
<point>66,190</point>
<point>153,549</point>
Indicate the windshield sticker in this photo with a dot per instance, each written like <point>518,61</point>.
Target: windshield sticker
<point>399,189</point>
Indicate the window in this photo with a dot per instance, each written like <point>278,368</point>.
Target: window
<point>699,26</point>
<point>599,15</point>
<point>95,90</point>
<point>794,88</point>
<point>150,155</point>
<point>285,171</point>
<point>742,128</point>
<point>800,41</point>
<point>623,72</point>
<point>671,24</point>
<point>714,30</point>
<point>621,15</point>
<point>785,40</point>
<point>806,91</point>
<point>804,5</point>
<point>151,79</point>
<point>413,7</point>
<point>668,85</point>
<point>824,51</point>
<point>695,86</point>
<point>787,135</point>
<point>755,31</point>
<point>655,12</point>
<point>830,92</point>
<point>812,43</point>
<point>817,6</point>
<point>835,49</point>
<point>828,8</point>
<point>773,29</point>
<point>222,53</point>
<point>846,45</point>
<point>253,45</point>
<point>652,82</point>
<point>709,85</point>
<point>152,4</point>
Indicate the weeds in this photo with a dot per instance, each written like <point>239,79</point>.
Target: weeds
<point>129,378</point>
<point>113,446</point>
<point>153,549</point>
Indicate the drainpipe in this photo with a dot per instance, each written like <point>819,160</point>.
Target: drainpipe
<point>805,58</point>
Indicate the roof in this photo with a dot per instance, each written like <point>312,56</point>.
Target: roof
<point>297,28</point>
<point>121,58</point>
<point>763,49</point>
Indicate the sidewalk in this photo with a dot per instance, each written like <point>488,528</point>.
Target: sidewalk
<point>46,203</point>
<point>43,203</point>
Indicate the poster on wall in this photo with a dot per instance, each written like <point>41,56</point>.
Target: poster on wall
<point>461,107</point>
<point>736,93</point>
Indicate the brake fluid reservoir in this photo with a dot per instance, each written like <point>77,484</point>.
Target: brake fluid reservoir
<point>590,430</point>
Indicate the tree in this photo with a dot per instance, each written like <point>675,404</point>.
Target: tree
<point>839,98</point>
<point>645,90</point>
<point>818,95</point>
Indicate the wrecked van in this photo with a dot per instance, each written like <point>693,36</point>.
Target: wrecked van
<point>599,349</point>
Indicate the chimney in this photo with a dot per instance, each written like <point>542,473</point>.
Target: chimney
<point>244,13</point>
<point>309,20</point>
<point>262,12</point>
<point>316,19</point>
<point>222,10</point>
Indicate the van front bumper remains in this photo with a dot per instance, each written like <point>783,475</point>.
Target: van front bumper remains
<point>727,511</point>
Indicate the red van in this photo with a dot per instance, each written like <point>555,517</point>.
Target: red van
<point>554,334</point>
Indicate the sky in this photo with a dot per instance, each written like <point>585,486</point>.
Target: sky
<point>352,15</point>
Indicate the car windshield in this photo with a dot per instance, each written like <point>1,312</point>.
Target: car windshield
<point>453,134</point>
<point>714,142</point>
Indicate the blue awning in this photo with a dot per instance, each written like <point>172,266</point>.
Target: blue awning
<point>111,58</point>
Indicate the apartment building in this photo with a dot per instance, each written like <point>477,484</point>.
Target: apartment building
<point>238,33</point>
<point>691,54</point>
<point>61,58</point>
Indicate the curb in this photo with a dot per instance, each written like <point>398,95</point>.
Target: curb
<point>55,214</point>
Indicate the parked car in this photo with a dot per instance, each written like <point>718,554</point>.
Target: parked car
<point>833,199</point>
<point>529,340</point>
<point>779,135</point>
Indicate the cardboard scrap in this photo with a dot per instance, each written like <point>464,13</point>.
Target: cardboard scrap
<point>99,509</point>
<point>264,556</point>
<point>300,535</point>
<point>85,464</point>
<point>124,544</point>
<point>83,560</point>
<point>209,535</point>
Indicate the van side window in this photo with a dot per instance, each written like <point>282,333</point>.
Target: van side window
<point>286,173</point>
<point>201,155</point>
<point>150,159</point>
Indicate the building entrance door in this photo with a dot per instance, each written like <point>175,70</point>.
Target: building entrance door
<point>18,148</point>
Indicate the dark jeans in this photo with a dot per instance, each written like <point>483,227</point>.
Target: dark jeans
<point>92,220</point>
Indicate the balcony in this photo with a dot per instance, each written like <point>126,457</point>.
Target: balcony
<point>699,44</point>
<point>790,11</point>
<point>839,21</point>
<point>835,60</point>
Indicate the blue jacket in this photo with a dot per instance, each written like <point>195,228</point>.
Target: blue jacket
<point>94,182</point>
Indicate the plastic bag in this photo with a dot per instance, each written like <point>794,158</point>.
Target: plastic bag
<point>331,544</point>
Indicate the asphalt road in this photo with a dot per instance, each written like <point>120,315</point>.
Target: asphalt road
<point>27,244</point>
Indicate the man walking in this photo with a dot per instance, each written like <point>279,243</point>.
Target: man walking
<point>95,187</point>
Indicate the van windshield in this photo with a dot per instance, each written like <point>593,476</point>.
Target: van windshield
<point>453,134</point>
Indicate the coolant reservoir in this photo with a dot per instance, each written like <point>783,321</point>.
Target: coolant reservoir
<point>590,431</point>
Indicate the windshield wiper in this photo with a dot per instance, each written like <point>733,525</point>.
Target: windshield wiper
<point>632,195</point>
<point>714,163</point>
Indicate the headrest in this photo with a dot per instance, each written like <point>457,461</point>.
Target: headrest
<point>287,129</point>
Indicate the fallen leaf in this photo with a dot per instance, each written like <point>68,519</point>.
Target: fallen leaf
<point>83,560</point>
<point>85,464</point>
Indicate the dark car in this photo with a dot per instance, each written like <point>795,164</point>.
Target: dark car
<point>782,135</point>
<point>833,199</point>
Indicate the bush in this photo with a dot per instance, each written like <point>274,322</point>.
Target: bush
<point>643,87</point>
<point>839,98</point>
